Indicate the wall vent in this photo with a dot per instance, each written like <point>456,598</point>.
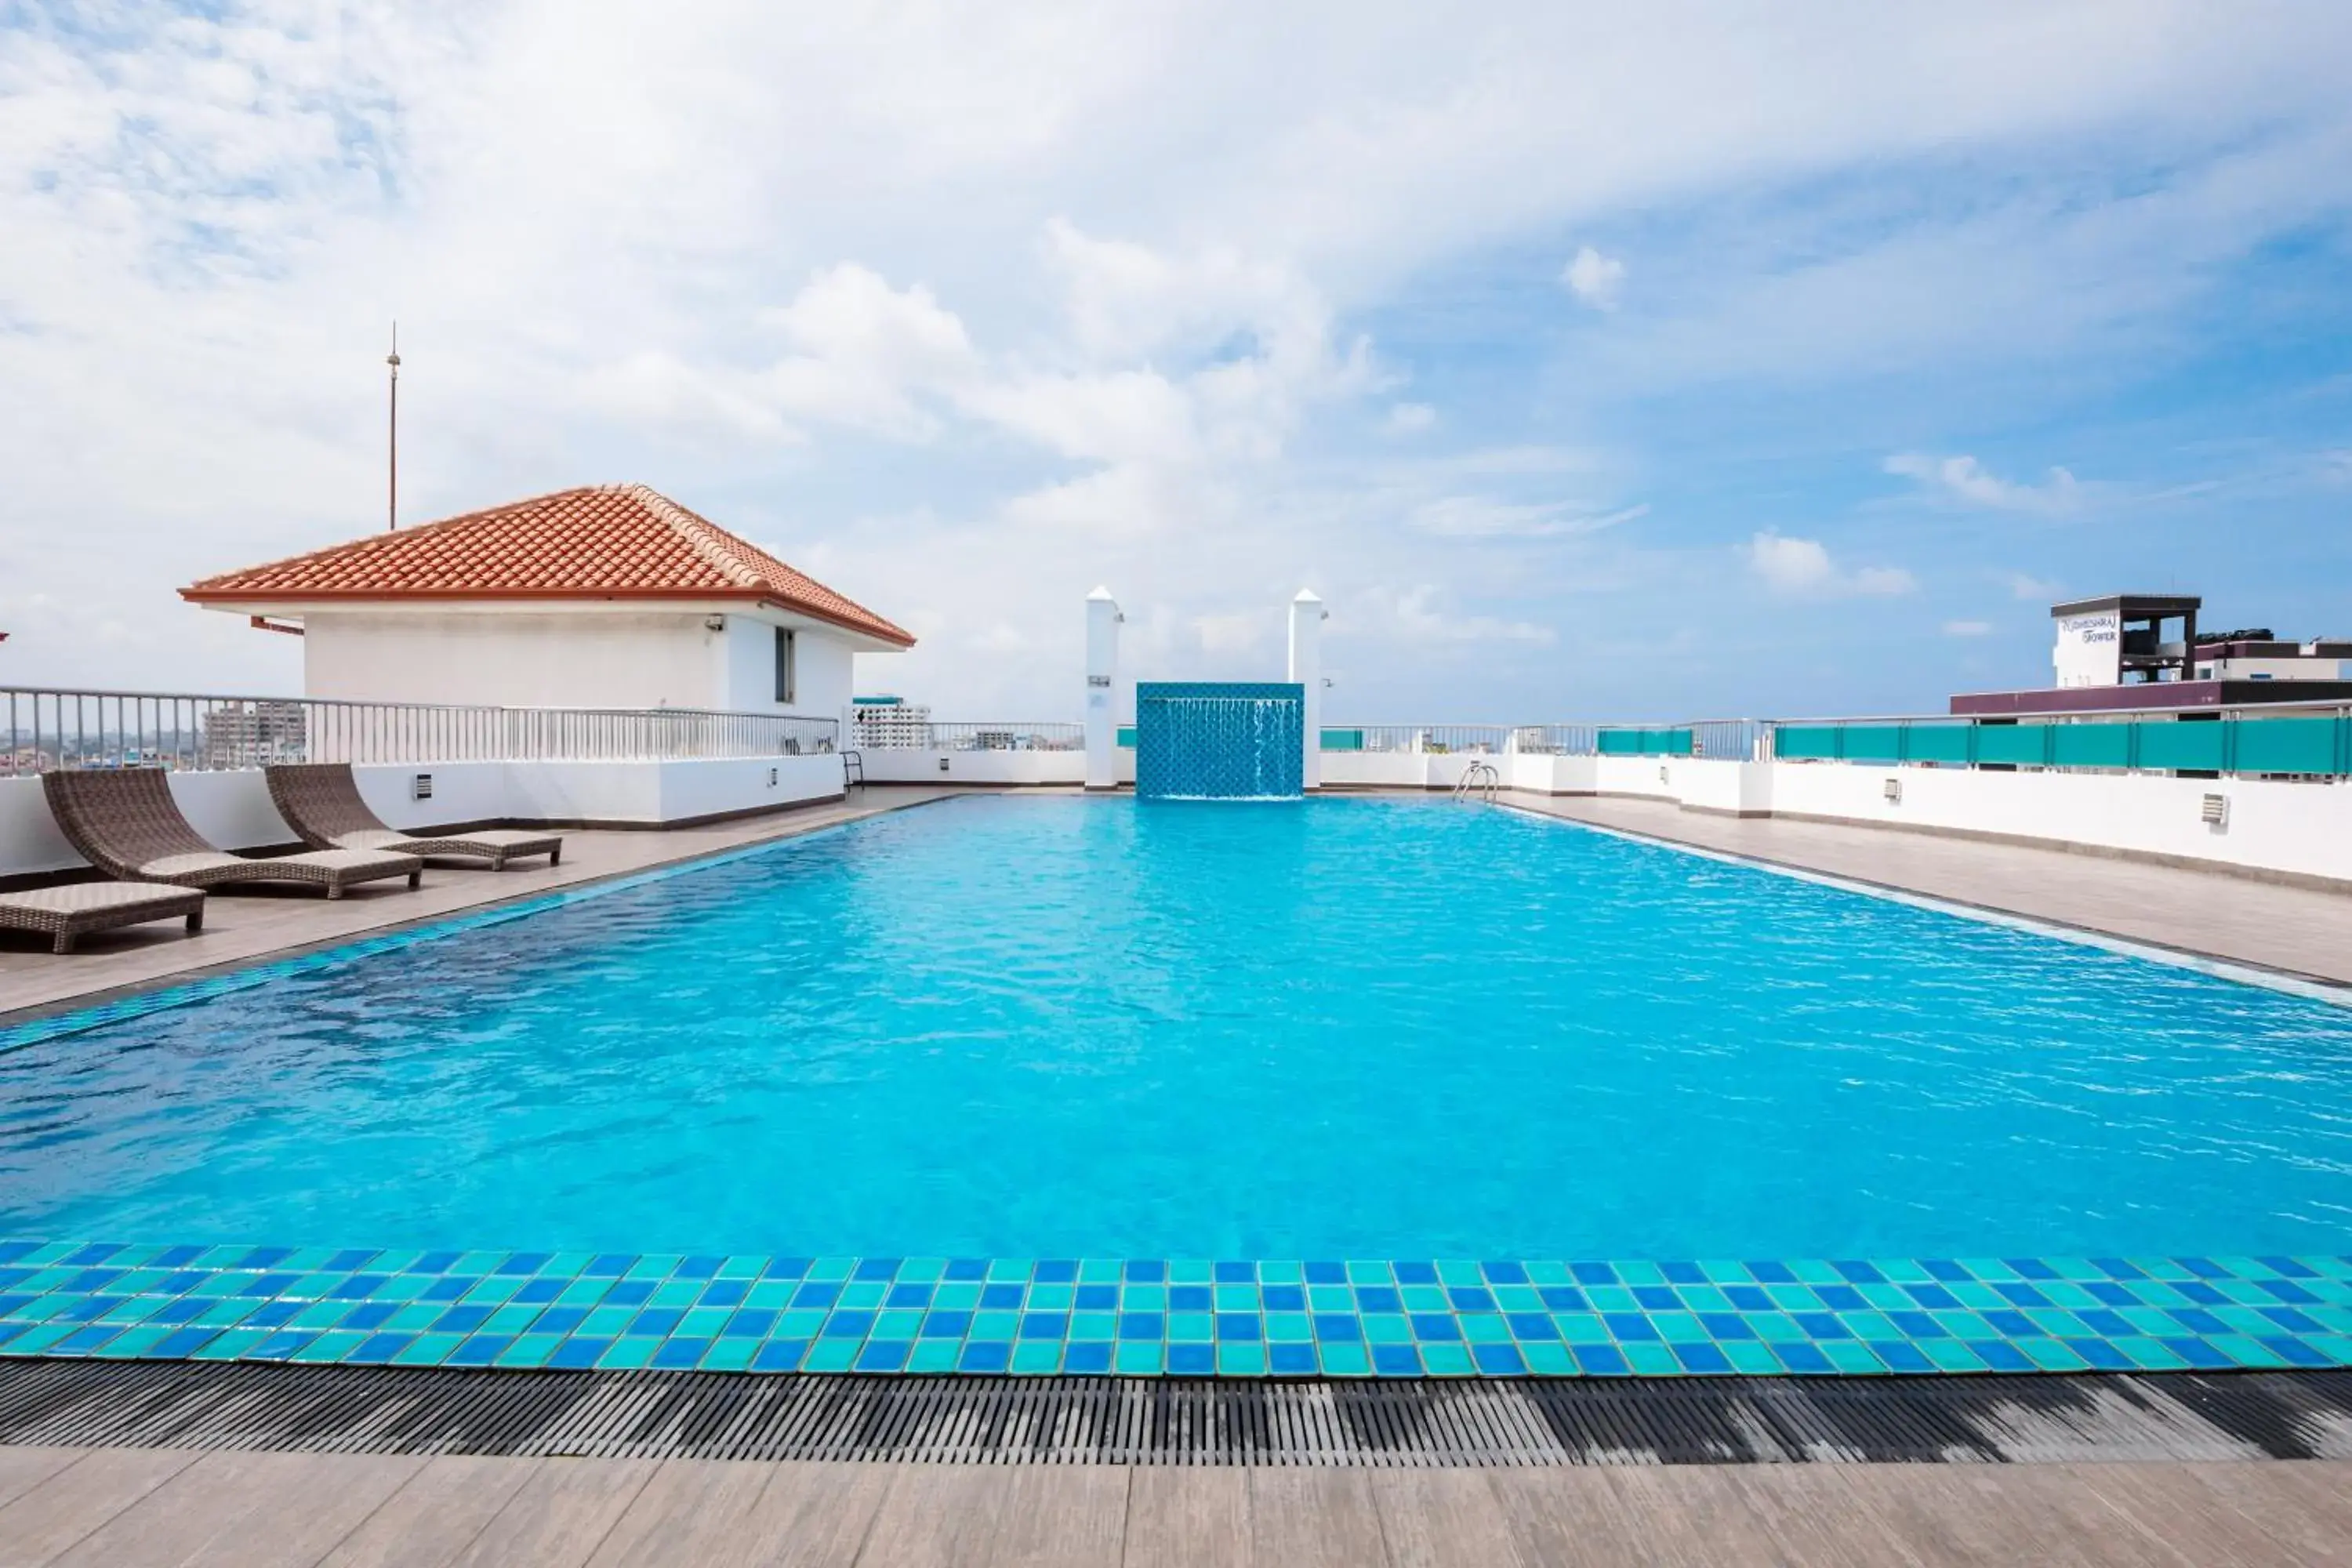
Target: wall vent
<point>421,787</point>
<point>771,778</point>
<point>2215,811</point>
<point>1894,792</point>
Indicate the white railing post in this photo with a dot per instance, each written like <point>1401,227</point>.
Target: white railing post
<point>1103,620</point>
<point>1307,618</point>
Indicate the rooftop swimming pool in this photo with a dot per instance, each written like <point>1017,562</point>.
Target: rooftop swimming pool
<point>979,1044</point>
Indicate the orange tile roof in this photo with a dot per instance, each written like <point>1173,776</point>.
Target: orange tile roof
<point>601,542</point>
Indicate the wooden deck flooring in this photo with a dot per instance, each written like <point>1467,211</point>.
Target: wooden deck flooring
<point>129,1508</point>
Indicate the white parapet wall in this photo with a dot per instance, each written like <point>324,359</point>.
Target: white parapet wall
<point>911,766</point>
<point>2273,825</point>
<point>232,807</point>
<point>2269,827</point>
<point>1408,770</point>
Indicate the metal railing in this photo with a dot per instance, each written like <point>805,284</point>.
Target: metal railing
<point>1731,740</point>
<point>2289,739</point>
<point>43,729</point>
<point>1485,739</point>
<point>979,736</point>
<point>1556,740</point>
<point>1725,738</point>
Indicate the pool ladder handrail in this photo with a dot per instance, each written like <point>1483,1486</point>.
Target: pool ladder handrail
<point>1479,781</point>
<point>852,771</point>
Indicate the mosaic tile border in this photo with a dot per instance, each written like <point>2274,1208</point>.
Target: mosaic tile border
<point>1172,1317</point>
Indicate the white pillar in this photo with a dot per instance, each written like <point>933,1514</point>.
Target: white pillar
<point>1102,686</point>
<point>1307,617</point>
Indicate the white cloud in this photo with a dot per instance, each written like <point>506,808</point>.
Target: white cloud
<point>1416,614</point>
<point>866,351</point>
<point>1236,632</point>
<point>2032,590</point>
<point>1804,567</point>
<point>1482,517</point>
<point>1594,279</point>
<point>1965,479</point>
<point>1408,419</point>
<point>1968,628</point>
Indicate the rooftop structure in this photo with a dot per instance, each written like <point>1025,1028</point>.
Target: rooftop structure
<point>602,597</point>
<point>598,542</point>
<point>2119,639</point>
<point>2122,651</point>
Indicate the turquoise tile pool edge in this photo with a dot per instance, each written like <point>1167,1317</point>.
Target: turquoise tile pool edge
<point>1172,1317</point>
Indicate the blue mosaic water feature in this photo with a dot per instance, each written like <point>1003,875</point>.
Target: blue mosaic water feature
<point>1219,741</point>
<point>964,1089</point>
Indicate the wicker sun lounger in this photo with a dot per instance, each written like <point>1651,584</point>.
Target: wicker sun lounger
<point>125,823</point>
<point>320,802</point>
<point>66,914</point>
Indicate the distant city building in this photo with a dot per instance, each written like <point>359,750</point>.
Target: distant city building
<point>889,723</point>
<point>608,596</point>
<point>2144,650</point>
<point>2255,655</point>
<point>250,735</point>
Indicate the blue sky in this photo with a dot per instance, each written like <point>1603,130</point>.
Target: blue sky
<point>1699,358</point>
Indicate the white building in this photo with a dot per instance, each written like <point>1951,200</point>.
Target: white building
<point>889,723</point>
<point>608,596</point>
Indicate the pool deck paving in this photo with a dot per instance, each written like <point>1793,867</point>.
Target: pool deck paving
<point>128,1508</point>
<point>2303,931</point>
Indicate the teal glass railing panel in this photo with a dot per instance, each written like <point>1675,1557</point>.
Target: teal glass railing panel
<point>1874,742</point>
<point>1342,741</point>
<point>1126,736</point>
<point>1644,742</point>
<point>2026,745</point>
<point>1937,743</point>
<point>2289,746</point>
<point>2193,745</point>
<point>2091,745</point>
<point>1806,742</point>
<point>2284,745</point>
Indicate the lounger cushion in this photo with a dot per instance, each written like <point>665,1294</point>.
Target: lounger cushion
<point>89,897</point>
<point>286,867</point>
<point>66,914</point>
<point>484,839</point>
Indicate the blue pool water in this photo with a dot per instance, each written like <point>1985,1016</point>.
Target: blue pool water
<point>1022,1027</point>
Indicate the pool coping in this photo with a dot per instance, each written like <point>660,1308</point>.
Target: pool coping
<point>1381,1317</point>
<point>24,1026</point>
<point>2240,970</point>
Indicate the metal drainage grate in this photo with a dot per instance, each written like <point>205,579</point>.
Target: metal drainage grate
<point>1155,1421</point>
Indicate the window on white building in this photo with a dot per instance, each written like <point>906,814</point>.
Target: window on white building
<point>785,665</point>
